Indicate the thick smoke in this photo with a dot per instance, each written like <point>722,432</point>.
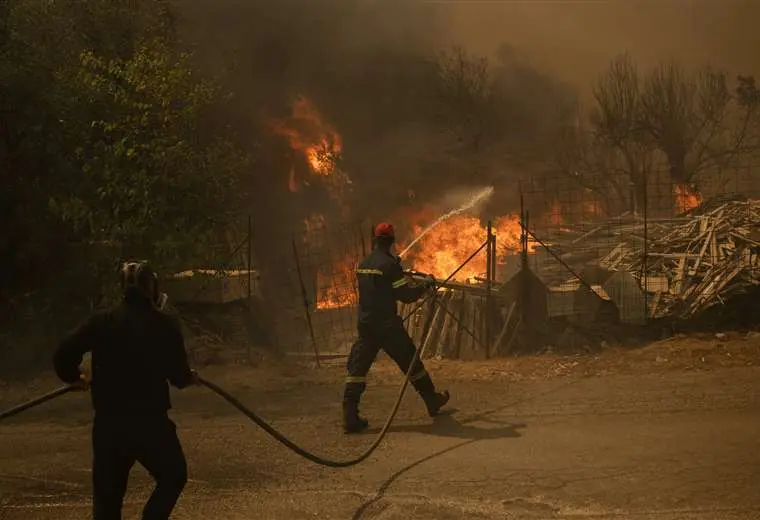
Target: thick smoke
<point>369,68</point>
<point>357,62</point>
<point>373,70</point>
<point>576,40</point>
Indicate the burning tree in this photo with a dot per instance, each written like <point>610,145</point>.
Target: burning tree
<point>690,125</point>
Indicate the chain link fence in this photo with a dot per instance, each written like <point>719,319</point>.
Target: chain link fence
<point>636,254</point>
<point>591,256</point>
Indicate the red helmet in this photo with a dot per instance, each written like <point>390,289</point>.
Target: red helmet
<point>384,230</point>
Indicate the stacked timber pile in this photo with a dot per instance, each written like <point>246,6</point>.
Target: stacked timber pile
<point>693,262</point>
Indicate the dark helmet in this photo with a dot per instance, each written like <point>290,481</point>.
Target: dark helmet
<point>140,281</point>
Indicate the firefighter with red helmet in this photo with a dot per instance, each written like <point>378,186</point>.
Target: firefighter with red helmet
<point>136,350</point>
<point>382,283</point>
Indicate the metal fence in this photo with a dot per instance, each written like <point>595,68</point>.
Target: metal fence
<point>659,251</point>
<point>571,258</point>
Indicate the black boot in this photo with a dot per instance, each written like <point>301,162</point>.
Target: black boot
<point>352,422</point>
<point>436,401</point>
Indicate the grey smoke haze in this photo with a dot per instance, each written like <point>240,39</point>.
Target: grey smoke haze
<point>576,39</point>
<point>350,58</point>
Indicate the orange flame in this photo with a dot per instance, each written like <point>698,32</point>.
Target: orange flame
<point>686,197</point>
<point>336,285</point>
<point>319,144</point>
<point>308,133</point>
<point>448,245</point>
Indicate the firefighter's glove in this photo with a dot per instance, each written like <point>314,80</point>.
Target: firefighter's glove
<point>83,385</point>
<point>430,282</point>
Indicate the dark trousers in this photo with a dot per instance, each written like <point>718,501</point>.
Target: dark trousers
<point>394,340</point>
<point>118,443</point>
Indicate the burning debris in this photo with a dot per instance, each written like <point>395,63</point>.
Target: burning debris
<point>686,198</point>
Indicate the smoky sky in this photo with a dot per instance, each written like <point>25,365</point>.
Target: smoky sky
<point>363,64</point>
<point>576,39</point>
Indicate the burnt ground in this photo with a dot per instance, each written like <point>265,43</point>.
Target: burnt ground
<point>669,431</point>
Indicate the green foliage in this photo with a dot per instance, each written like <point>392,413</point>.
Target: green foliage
<point>145,180</point>
<point>106,148</point>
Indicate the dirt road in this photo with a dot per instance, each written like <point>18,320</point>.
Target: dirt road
<point>661,444</point>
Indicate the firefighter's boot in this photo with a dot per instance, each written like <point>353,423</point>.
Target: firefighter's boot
<point>434,401</point>
<point>352,421</point>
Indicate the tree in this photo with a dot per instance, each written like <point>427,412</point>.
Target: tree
<point>690,123</point>
<point>464,90</point>
<point>696,121</point>
<point>147,180</point>
<point>607,152</point>
<point>106,146</point>
<point>501,114</point>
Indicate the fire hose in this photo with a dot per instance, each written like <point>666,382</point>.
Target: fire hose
<point>266,426</point>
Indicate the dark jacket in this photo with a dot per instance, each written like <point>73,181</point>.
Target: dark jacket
<point>382,283</point>
<point>135,350</point>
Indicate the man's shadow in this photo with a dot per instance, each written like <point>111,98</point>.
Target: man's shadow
<point>447,425</point>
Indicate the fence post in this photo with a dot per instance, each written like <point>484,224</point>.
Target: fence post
<point>645,252</point>
<point>250,301</point>
<point>306,305</point>
<point>489,276</point>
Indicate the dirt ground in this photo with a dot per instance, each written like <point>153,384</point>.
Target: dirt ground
<point>669,431</point>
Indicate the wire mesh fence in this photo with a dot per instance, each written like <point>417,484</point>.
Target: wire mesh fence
<point>576,254</point>
<point>636,253</point>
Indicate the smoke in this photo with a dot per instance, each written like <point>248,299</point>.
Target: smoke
<point>369,67</point>
<point>576,40</point>
<point>358,63</point>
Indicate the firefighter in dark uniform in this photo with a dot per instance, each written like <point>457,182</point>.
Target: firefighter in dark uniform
<point>382,283</point>
<point>136,349</point>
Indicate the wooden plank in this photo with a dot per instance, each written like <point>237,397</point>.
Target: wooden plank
<point>677,287</point>
<point>446,343</point>
<point>503,332</point>
<point>458,326</point>
<point>431,339</point>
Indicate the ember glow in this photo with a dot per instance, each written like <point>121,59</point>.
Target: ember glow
<point>686,198</point>
<point>592,208</point>
<point>555,216</point>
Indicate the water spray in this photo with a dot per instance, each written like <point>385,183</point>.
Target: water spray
<point>473,201</point>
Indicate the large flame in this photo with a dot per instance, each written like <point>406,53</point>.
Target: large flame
<point>686,197</point>
<point>447,246</point>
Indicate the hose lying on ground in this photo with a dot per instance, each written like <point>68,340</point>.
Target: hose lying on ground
<point>258,420</point>
<point>269,429</point>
